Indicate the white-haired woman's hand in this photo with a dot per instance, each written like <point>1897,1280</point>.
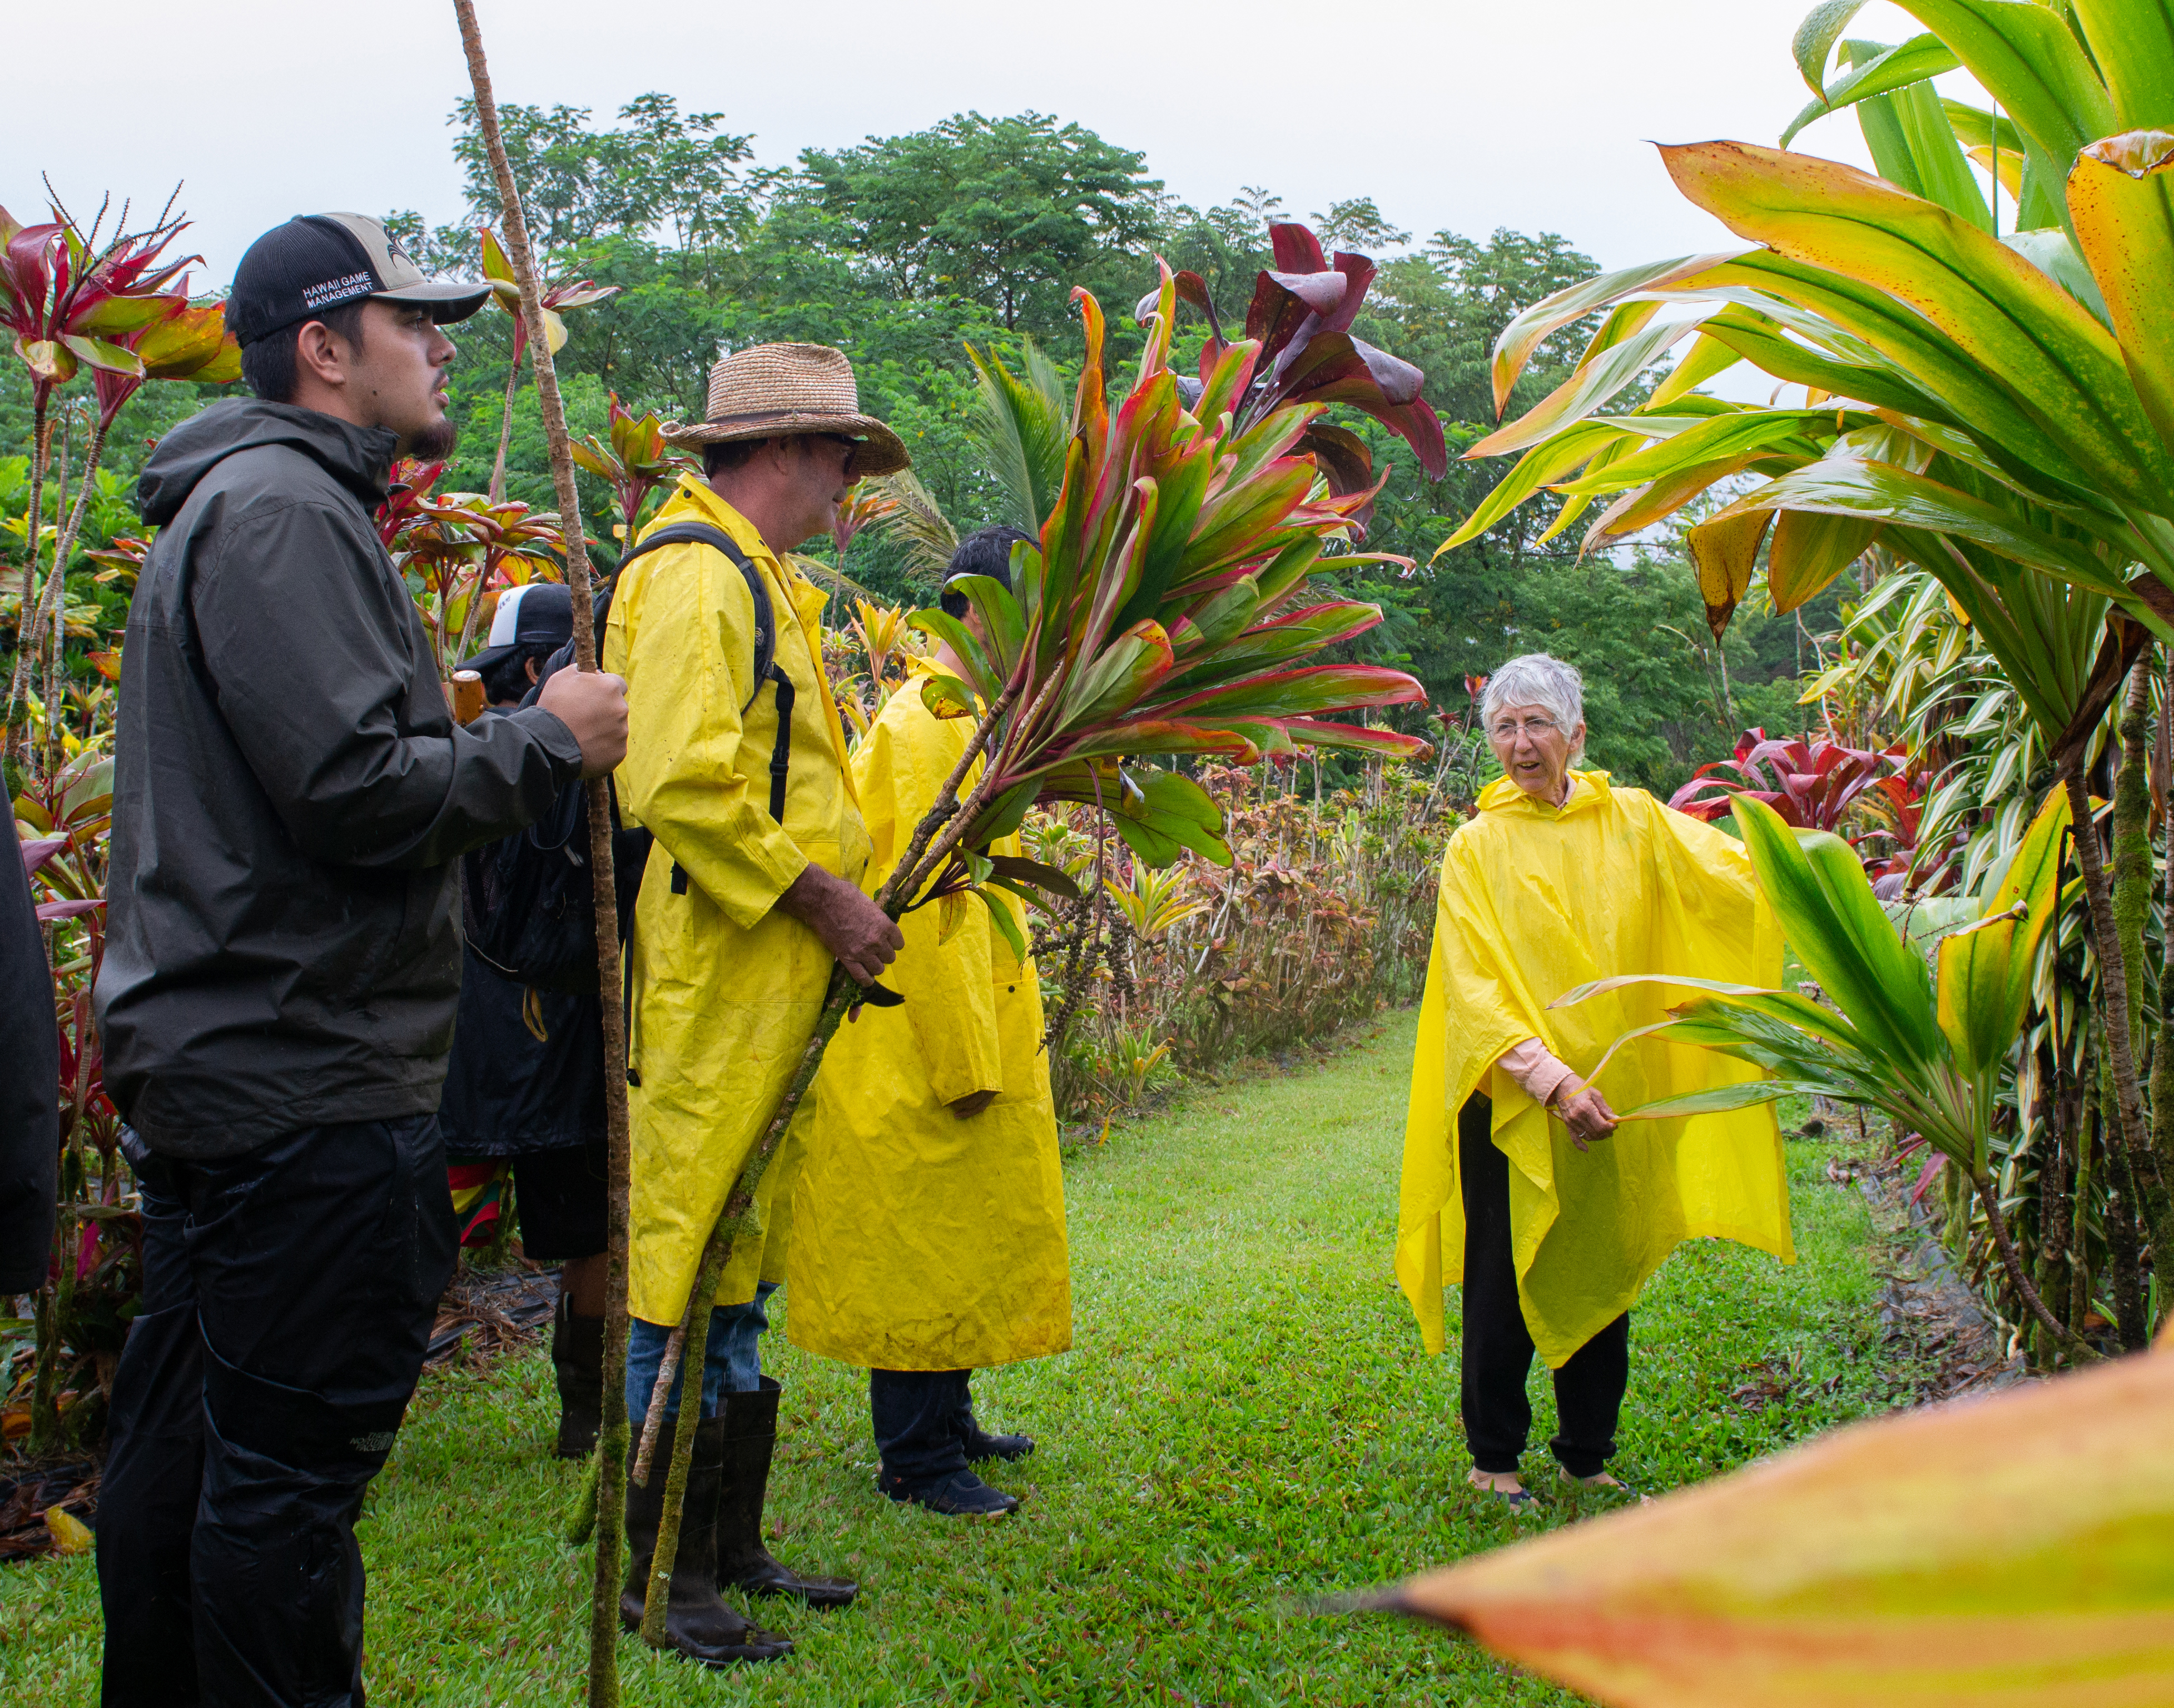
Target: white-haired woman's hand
<point>1584,1112</point>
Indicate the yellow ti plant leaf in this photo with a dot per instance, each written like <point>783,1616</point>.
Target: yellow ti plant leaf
<point>2007,1552</point>
<point>2009,316</point>
<point>1607,368</point>
<point>2008,166</point>
<point>2121,198</point>
<point>1986,970</point>
<point>1810,548</point>
<point>1724,552</point>
<point>1704,358</point>
<point>1514,347</point>
<point>950,915</point>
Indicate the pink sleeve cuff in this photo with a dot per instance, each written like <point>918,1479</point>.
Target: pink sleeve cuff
<point>1539,1072</point>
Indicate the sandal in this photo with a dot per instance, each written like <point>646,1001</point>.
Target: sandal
<point>1601,1483</point>
<point>1519,1499</point>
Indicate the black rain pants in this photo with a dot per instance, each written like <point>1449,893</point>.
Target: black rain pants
<point>1498,1347</point>
<point>920,1418</point>
<point>288,1297</point>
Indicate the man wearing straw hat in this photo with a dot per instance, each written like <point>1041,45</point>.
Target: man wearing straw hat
<point>736,762</point>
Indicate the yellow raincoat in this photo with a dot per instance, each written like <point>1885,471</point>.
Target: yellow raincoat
<point>726,989</point>
<point>1535,899</point>
<point>920,1240</point>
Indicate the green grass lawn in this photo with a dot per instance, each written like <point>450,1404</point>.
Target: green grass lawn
<point>1246,1421</point>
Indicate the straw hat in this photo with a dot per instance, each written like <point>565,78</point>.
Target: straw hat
<point>775,389</point>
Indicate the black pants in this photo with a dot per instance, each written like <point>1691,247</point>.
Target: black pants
<point>1498,1348</point>
<point>288,1296</point>
<point>920,1419</point>
<point>561,1198</point>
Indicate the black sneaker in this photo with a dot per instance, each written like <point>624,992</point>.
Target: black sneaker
<point>961,1494</point>
<point>980,1444</point>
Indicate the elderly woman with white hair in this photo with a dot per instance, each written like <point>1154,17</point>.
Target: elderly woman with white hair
<point>1518,1181</point>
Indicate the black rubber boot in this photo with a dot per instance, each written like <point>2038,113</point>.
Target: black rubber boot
<point>751,1435</point>
<point>980,1446</point>
<point>961,1494</point>
<point>577,1360</point>
<point>697,1622</point>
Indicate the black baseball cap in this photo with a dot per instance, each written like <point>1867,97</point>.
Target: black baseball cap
<point>536,613</point>
<point>317,261</point>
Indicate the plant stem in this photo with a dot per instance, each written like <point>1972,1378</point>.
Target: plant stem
<point>50,599</point>
<point>2126,1129</point>
<point>2162,1056</point>
<point>505,420</point>
<point>468,620</point>
<point>1994,1220</point>
<point>2145,1164</point>
<point>612,1435</point>
<point>41,447</point>
<point>54,608</point>
<point>2052,1183</point>
<point>2080,1263</point>
<point>2117,1220</point>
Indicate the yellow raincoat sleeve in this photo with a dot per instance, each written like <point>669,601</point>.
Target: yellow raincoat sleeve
<point>686,776</point>
<point>1473,1009</point>
<point>950,1001</point>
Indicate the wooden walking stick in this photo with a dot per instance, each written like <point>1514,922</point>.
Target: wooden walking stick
<point>611,1437</point>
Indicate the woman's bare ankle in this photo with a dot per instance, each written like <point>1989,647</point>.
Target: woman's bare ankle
<point>1496,1482</point>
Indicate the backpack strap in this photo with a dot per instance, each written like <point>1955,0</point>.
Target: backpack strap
<point>703,534</point>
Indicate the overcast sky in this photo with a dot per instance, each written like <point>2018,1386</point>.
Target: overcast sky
<point>1537,115</point>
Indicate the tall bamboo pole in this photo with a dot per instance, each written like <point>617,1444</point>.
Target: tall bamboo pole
<point>611,1437</point>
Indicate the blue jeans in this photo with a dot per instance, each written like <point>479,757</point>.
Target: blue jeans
<point>732,1364</point>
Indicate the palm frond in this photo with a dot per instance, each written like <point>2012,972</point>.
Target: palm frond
<point>1021,423</point>
<point>833,580</point>
<point>916,519</point>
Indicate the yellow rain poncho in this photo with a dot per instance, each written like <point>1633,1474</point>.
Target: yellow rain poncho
<point>920,1240</point>
<point>1535,899</point>
<point>726,989</point>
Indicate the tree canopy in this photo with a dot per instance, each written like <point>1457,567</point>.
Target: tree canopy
<point>901,250</point>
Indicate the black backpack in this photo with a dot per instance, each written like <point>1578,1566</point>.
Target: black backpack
<point>529,904</point>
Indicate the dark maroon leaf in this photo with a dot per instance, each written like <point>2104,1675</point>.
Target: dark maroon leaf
<point>1282,303</point>
<point>1420,428</point>
<point>1022,870</point>
<point>1357,272</point>
<point>1296,249</point>
<point>1342,455</point>
<point>36,853</point>
<point>1345,462</point>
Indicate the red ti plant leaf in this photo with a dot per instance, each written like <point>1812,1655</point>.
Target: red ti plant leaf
<point>1300,321</point>
<point>1161,611</point>
<point>637,461</point>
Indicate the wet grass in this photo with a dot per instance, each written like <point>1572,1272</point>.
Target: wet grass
<point>1246,1423</point>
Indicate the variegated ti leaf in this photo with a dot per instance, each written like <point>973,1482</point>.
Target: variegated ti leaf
<point>2006,1554</point>
<point>2033,338</point>
<point>1986,970</point>
<point>2121,198</point>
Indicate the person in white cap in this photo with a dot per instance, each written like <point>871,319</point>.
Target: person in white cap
<point>524,1101</point>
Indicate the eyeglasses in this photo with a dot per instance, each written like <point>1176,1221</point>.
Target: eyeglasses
<point>850,446</point>
<point>1533,728</point>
